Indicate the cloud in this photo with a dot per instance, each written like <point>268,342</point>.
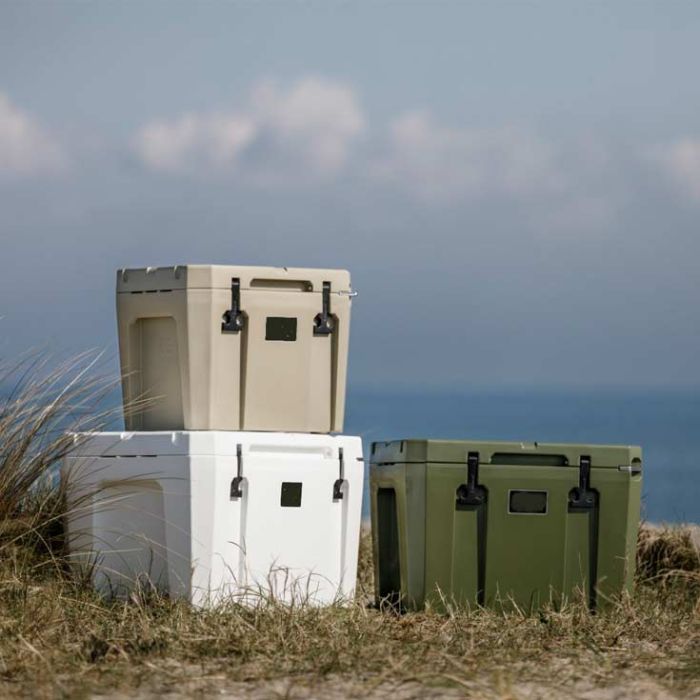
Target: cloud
<point>195,141</point>
<point>680,161</point>
<point>25,147</point>
<point>438,162</point>
<point>278,136</point>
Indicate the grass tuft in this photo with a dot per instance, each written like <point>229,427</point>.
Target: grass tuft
<point>667,553</point>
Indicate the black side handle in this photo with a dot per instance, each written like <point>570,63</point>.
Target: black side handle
<point>234,318</point>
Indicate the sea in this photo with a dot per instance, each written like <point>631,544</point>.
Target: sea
<point>664,422</point>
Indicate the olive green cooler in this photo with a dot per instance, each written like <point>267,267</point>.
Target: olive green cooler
<point>503,524</point>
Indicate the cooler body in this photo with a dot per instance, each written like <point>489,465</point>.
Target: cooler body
<point>213,516</point>
<point>503,524</point>
<point>216,347</point>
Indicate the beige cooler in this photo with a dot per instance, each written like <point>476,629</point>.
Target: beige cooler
<point>218,347</point>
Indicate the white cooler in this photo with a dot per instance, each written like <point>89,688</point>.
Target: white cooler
<point>214,516</point>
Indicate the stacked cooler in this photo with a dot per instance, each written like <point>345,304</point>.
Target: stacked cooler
<point>227,483</point>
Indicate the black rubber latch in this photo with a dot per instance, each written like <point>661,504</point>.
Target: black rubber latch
<point>472,496</point>
<point>338,485</point>
<point>234,318</point>
<point>324,323</point>
<point>472,493</point>
<point>236,491</point>
<point>583,497</point>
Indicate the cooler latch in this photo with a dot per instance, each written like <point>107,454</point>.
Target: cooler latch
<point>471,493</point>
<point>472,496</point>
<point>234,318</point>
<point>236,491</point>
<point>324,323</point>
<point>583,497</point>
<point>338,485</point>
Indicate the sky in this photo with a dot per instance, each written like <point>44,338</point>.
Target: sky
<point>515,187</point>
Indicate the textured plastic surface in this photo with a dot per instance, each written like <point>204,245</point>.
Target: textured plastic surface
<point>274,374</point>
<point>528,542</point>
<point>161,507</point>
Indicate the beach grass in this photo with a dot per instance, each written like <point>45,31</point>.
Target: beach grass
<point>57,638</point>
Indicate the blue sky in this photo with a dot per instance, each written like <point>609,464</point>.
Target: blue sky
<point>515,187</point>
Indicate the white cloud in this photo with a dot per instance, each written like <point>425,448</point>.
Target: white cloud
<point>194,141</point>
<point>25,147</point>
<point>278,135</point>
<point>438,162</point>
<point>681,162</point>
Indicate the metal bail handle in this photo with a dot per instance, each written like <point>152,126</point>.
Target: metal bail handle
<point>234,319</point>
<point>324,324</point>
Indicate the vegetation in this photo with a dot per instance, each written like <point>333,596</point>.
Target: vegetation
<point>57,638</point>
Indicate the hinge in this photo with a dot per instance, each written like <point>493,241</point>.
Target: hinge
<point>236,491</point>
<point>338,485</point>
<point>234,318</point>
<point>632,469</point>
<point>471,493</point>
<point>324,323</point>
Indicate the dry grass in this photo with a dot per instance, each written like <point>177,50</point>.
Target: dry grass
<point>41,403</point>
<point>58,639</point>
<point>57,636</point>
<point>665,554</point>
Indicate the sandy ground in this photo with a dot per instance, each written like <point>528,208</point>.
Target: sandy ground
<point>338,688</point>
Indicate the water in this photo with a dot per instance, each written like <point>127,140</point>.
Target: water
<point>665,423</point>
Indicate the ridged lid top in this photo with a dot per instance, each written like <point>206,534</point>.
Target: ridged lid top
<point>504,453</point>
<point>143,279</point>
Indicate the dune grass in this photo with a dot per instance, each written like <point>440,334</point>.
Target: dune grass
<point>56,636</point>
<point>58,639</point>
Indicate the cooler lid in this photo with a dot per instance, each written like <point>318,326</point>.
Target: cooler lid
<point>221,443</point>
<point>151,279</point>
<point>504,453</point>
